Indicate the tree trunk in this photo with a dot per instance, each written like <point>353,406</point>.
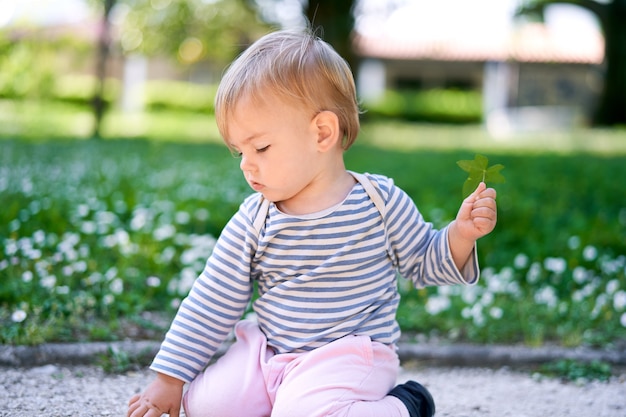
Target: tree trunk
<point>104,43</point>
<point>612,106</point>
<point>611,109</point>
<point>334,22</point>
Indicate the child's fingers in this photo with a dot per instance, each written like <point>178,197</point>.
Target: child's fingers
<point>470,199</point>
<point>479,189</point>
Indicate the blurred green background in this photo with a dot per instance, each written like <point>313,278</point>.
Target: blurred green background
<point>114,183</point>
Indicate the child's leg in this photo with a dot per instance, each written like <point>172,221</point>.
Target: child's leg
<point>234,385</point>
<point>348,377</point>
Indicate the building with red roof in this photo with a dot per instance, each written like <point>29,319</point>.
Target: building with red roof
<point>534,78</point>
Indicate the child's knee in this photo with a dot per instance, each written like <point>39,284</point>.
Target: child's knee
<point>209,397</point>
<point>211,405</point>
<point>304,406</point>
<point>193,407</point>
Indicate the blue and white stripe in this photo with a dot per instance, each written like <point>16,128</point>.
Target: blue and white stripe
<point>320,277</point>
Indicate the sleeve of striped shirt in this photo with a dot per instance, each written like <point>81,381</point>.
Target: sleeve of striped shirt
<point>422,253</point>
<point>215,303</point>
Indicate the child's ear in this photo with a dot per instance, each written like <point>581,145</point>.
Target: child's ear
<point>327,130</point>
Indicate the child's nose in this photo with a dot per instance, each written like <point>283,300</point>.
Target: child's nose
<point>245,163</point>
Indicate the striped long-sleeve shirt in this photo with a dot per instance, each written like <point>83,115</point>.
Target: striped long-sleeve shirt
<point>320,277</point>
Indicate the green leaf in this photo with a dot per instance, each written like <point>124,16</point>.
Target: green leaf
<point>479,171</point>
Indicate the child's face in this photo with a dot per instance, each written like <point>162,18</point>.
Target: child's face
<point>277,143</point>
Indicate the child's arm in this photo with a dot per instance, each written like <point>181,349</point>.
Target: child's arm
<point>476,218</point>
<point>163,396</point>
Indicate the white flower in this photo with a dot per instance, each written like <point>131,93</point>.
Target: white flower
<point>601,301</point>
<point>437,304</point>
<point>14,225</point>
<point>477,315</point>
<point>520,261</point>
<point>556,265</point>
<point>507,273</point>
<point>486,299</point>
<point>496,312</point>
<point>10,247</point>
<point>140,218</point>
<point>167,255</point>
<point>547,296</point>
<point>39,237</point>
<point>573,242</point>
<point>590,253</point>
<point>117,286</point>
<point>63,289</point>
<point>84,251</point>
<point>27,276</point>
<point>82,210</point>
<point>622,320</point>
<point>619,300</point>
<point>105,217</point>
<point>163,232</point>
<point>109,241</point>
<point>534,273</point>
<point>33,253</point>
<point>201,214</point>
<point>18,316</point>
<point>584,292</point>
<point>488,272</point>
<point>80,266</point>
<point>111,273</point>
<point>88,227</point>
<point>470,294</point>
<point>580,274</point>
<point>189,256</point>
<point>187,278</point>
<point>48,281</point>
<point>445,290</point>
<point>153,281</point>
<point>182,217</point>
<point>612,286</point>
<point>578,296</point>
<point>496,284</point>
<point>94,278</point>
<point>122,237</point>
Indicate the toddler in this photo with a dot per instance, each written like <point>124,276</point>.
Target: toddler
<point>324,247</point>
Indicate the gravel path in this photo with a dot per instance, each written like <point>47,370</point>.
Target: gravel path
<point>55,390</point>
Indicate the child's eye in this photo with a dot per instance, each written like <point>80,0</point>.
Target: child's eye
<point>263,149</point>
<point>235,153</point>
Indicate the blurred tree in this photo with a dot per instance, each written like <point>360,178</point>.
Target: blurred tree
<point>335,22</point>
<point>104,46</point>
<point>331,20</point>
<point>612,16</point>
<point>27,66</point>
<point>188,31</point>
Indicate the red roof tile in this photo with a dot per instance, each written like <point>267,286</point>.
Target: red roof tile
<point>530,43</point>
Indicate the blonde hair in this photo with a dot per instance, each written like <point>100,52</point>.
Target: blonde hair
<point>298,67</point>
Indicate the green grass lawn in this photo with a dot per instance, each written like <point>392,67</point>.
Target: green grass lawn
<point>95,235</point>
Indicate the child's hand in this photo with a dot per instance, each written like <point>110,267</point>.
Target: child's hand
<point>163,396</point>
<point>478,214</point>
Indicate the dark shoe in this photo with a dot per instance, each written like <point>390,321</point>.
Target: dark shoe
<point>416,398</point>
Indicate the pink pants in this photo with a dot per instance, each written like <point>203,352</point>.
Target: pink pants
<point>348,377</point>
